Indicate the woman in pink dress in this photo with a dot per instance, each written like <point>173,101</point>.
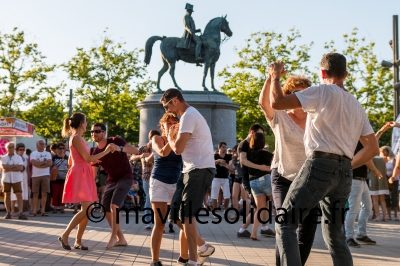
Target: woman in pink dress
<point>79,185</point>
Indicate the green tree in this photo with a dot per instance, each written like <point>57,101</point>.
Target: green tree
<point>245,79</point>
<point>368,81</point>
<point>22,72</point>
<point>48,113</point>
<point>108,86</point>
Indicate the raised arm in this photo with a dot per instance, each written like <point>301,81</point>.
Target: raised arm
<point>277,100</point>
<point>128,148</point>
<point>264,101</point>
<point>385,127</point>
<point>77,143</point>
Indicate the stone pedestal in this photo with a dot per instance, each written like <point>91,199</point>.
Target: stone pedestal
<point>216,107</point>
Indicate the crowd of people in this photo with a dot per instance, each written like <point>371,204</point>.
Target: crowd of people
<point>323,161</point>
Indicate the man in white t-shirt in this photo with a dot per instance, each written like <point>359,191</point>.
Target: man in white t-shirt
<point>335,123</point>
<point>13,167</point>
<point>193,141</point>
<point>41,162</point>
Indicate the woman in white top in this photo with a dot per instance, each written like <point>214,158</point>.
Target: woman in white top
<point>392,200</point>
<point>289,156</point>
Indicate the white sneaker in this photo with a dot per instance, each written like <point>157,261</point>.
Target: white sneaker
<point>147,227</point>
<point>202,256</point>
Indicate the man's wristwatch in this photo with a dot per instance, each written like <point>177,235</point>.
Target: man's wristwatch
<point>122,148</point>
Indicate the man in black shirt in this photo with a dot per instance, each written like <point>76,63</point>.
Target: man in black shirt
<point>359,194</point>
<point>221,177</point>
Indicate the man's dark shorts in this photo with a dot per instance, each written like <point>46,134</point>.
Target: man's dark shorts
<point>115,193</point>
<point>190,191</point>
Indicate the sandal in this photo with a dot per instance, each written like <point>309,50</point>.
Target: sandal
<point>80,247</point>
<point>66,247</point>
<point>254,239</point>
<point>44,214</point>
<point>32,214</point>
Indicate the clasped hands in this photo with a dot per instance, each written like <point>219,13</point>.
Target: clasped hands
<point>112,148</point>
<point>173,132</point>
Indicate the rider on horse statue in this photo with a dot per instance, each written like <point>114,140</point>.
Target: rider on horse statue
<point>189,33</point>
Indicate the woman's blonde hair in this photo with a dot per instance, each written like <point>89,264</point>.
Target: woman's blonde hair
<point>295,82</point>
<point>388,150</point>
<point>164,119</point>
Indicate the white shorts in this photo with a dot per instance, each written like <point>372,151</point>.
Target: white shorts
<point>160,191</point>
<point>217,183</point>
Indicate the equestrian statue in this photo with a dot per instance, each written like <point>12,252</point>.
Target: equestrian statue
<point>190,48</point>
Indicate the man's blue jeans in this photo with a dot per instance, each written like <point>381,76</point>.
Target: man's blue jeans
<point>328,182</point>
<point>359,197</point>
<point>146,188</point>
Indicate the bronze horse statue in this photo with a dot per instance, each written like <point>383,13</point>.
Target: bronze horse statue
<point>211,40</point>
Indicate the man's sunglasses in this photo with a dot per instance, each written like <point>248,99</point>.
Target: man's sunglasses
<point>97,131</point>
<point>21,149</point>
<point>61,148</point>
<point>166,105</point>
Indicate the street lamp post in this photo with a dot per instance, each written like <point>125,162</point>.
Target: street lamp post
<point>70,111</point>
<point>395,47</point>
<point>70,102</point>
<point>394,43</point>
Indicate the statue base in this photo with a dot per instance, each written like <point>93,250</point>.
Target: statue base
<point>218,110</point>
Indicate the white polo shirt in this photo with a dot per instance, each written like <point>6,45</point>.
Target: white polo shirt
<point>12,177</point>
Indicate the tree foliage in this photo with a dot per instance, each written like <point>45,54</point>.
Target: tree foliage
<point>48,113</point>
<point>22,72</point>
<point>108,86</point>
<point>244,79</point>
<point>368,81</point>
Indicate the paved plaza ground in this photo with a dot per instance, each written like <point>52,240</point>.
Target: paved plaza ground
<point>34,242</point>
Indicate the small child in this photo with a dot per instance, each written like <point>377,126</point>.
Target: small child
<point>133,193</point>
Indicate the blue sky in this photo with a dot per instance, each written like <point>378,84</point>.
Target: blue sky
<point>61,26</point>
